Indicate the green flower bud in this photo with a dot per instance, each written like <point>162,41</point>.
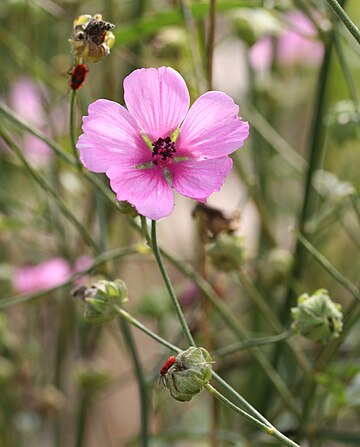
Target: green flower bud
<point>188,374</point>
<point>91,379</point>
<point>343,121</point>
<point>227,252</point>
<point>101,300</point>
<point>330,187</point>
<point>253,23</point>
<point>276,266</point>
<point>170,42</point>
<point>317,317</point>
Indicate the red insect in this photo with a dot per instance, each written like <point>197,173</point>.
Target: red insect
<point>165,368</point>
<point>77,76</point>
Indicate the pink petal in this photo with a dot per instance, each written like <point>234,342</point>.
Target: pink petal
<point>261,54</point>
<point>111,136</point>
<point>158,99</point>
<point>212,128</point>
<point>33,278</point>
<point>146,189</point>
<point>199,179</point>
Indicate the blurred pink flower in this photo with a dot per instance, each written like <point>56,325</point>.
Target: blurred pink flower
<point>26,99</point>
<point>51,273</point>
<point>296,45</point>
<point>195,164</point>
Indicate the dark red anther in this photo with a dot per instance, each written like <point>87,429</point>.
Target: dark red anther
<point>78,75</point>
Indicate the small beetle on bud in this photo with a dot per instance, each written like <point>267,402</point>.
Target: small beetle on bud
<point>186,374</point>
<point>317,316</point>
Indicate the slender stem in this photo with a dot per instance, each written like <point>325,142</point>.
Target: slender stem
<point>48,188</point>
<point>272,319</point>
<point>261,341</point>
<point>194,47</point>
<point>136,323</point>
<point>272,431</point>
<point>210,44</point>
<point>257,199</point>
<point>234,324</point>
<point>81,419</point>
<point>169,287</point>
<point>72,128</point>
<point>345,69</point>
<point>341,14</point>
<point>130,319</point>
<point>328,267</point>
<point>316,153</point>
<point>274,139</point>
<point>130,343</point>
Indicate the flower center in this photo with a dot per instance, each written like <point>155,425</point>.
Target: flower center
<point>163,152</point>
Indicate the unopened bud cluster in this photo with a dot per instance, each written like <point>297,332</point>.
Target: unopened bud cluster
<point>102,300</point>
<point>188,375</point>
<point>227,252</point>
<point>317,316</point>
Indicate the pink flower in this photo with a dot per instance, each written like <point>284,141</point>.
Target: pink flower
<point>195,163</point>
<point>51,273</point>
<point>26,99</point>
<point>297,44</point>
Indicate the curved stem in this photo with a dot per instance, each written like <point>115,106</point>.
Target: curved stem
<point>169,287</point>
<point>272,431</point>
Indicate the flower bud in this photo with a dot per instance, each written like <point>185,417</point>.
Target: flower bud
<point>188,374</point>
<point>331,188</point>
<point>253,23</point>
<point>227,252</point>
<point>91,379</point>
<point>275,266</point>
<point>101,300</point>
<point>343,121</point>
<point>317,317</point>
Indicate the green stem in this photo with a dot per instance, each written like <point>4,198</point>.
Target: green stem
<point>72,128</point>
<point>130,319</point>
<point>211,42</point>
<point>130,343</point>
<point>169,287</point>
<point>81,420</point>
<point>345,69</point>
<point>194,47</point>
<point>328,267</point>
<point>136,323</point>
<point>47,188</point>
<point>341,14</point>
<point>272,319</point>
<point>257,199</point>
<point>316,153</point>
<point>272,431</point>
<point>234,324</point>
<point>261,341</point>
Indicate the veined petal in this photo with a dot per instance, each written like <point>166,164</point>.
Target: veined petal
<point>199,179</point>
<point>146,189</point>
<point>111,136</point>
<point>212,128</point>
<point>158,99</point>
